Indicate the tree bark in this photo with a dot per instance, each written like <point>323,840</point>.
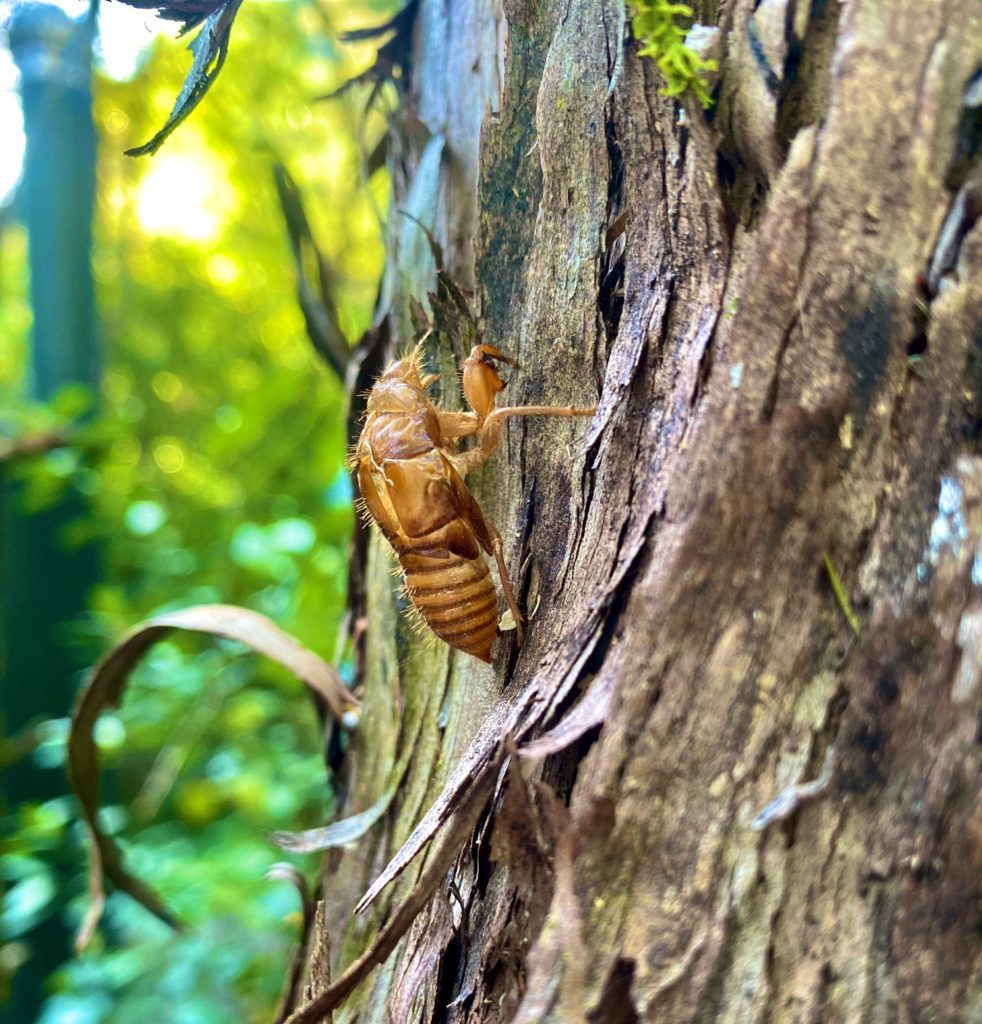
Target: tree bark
<point>754,575</point>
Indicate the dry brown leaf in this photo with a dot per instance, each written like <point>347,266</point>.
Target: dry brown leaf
<point>103,689</point>
<point>289,873</point>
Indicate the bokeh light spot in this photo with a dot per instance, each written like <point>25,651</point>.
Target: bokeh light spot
<point>222,270</point>
<point>143,518</point>
<point>228,418</point>
<point>273,334</point>
<point>115,121</point>
<point>243,374</point>
<point>183,196</point>
<point>109,732</point>
<point>169,455</point>
<point>295,536</point>
<point>126,451</point>
<point>167,386</point>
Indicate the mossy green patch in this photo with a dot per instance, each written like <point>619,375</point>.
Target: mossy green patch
<point>660,27</point>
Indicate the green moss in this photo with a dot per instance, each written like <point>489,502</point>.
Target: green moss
<point>657,25</point>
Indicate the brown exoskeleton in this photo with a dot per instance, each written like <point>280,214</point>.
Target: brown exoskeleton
<point>411,477</point>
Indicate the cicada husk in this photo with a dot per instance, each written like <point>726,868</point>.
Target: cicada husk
<point>411,477</point>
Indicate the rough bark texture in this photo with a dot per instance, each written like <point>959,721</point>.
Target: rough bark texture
<point>778,306</point>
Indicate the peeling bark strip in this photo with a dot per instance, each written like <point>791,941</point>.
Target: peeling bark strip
<point>779,305</point>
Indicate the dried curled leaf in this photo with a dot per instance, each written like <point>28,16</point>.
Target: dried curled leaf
<point>104,688</point>
<point>292,875</point>
<point>210,48</point>
<point>293,989</point>
<point>314,296</point>
<point>339,833</point>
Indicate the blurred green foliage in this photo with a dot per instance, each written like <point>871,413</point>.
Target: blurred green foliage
<point>213,471</point>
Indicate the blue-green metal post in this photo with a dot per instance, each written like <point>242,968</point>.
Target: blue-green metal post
<point>45,579</point>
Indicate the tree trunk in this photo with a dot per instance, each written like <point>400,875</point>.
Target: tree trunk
<point>754,575</point>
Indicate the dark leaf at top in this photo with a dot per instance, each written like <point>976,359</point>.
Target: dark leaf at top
<point>210,48</point>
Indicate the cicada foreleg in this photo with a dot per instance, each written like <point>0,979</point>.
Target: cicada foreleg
<point>373,503</point>
<point>491,430</point>
<point>458,424</point>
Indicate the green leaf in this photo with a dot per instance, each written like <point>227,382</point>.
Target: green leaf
<point>25,903</point>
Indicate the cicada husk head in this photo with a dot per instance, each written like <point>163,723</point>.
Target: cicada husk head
<point>481,381</point>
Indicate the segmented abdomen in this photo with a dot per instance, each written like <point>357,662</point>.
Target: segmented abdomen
<point>456,598</point>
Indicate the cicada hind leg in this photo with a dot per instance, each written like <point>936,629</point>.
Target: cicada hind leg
<point>482,383</point>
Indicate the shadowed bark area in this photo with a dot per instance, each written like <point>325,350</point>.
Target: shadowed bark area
<point>778,307</point>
